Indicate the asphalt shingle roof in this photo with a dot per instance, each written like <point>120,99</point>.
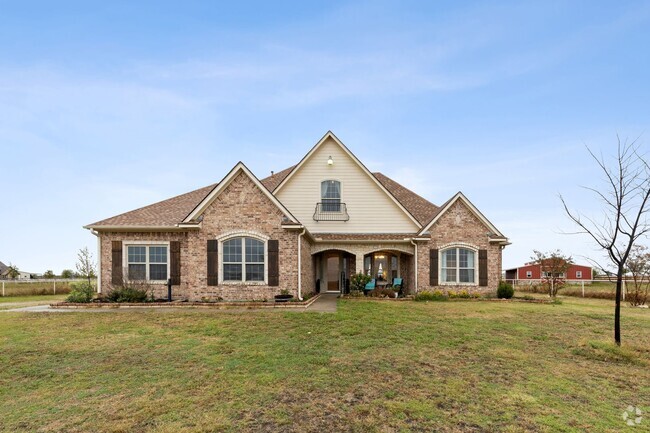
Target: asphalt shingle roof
<point>168,213</point>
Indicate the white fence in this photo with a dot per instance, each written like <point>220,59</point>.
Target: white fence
<point>578,283</point>
<point>44,284</point>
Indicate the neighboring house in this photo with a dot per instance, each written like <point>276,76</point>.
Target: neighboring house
<point>533,271</point>
<point>4,273</point>
<point>306,228</point>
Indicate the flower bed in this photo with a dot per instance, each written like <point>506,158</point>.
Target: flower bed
<point>188,304</point>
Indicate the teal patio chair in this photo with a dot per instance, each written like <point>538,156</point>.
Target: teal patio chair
<point>369,287</point>
<point>397,285</point>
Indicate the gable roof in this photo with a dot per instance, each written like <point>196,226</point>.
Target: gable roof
<point>166,213</point>
<point>3,268</point>
<point>352,156</point>
<point>178,211</point>
<point>421,208</point>
<point>495,235</point>
<point>237,169</point>
<point>272,182</point>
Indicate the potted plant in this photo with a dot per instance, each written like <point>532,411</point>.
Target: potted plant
<point>284,296</point>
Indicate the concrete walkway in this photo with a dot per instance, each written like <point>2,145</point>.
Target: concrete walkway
<point>326,303</point>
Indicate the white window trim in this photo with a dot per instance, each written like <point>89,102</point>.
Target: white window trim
<point>529,274</point>
<point>578,274</point>
<point>457,283</point>
<point>143,243</point>
<point>320,194</point>
<point>244,234</point>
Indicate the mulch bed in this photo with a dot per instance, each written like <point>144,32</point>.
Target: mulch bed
<point>188,304</point>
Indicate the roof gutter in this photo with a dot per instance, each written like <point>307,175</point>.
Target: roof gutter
<point>138,228</point>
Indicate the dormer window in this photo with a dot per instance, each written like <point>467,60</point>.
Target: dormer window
<point>330,194</point>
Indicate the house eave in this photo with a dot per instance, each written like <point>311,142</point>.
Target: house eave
<point>115,228</point>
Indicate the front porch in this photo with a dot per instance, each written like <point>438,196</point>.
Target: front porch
<point>334,266</point>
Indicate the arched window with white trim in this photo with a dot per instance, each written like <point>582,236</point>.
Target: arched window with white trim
<point>458,265</point>
<point>243,259</point>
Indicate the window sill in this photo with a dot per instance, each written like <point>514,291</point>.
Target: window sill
<point>243,283</point>
<point>458,284</point>
<point>147,282</point>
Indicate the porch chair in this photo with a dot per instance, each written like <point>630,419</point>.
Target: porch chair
<point>397,282</point>
<point>369,287</point>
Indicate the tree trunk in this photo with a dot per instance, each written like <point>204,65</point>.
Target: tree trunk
<point>617,309</point>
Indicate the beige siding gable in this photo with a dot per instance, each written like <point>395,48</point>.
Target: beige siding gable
<point>371,209</point>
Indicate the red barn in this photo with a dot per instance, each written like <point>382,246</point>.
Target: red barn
<point>533,271</point>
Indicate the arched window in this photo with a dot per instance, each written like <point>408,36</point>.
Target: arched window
<point>458,265</point>
<point>243,259</point>
<point>330,194</point>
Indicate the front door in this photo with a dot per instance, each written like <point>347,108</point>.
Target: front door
<point>333,273</point>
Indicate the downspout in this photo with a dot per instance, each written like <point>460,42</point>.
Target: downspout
<point>99,260</point>
<point>416,264</point>
<point>300,264</point>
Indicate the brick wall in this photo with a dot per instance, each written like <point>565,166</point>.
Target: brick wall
<point>307,272</point>
<point>460,225</point>
<point>240,207</point>
<point>407,268</point>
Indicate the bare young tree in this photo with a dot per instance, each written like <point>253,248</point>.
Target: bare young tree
<point>554,266</point>
<point>85,264</point>
<point>625,197</point>
<point>638,265</point>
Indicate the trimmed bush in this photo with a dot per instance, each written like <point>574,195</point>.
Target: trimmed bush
<point>127,294</point>
<point>505,290</point>
<point>430,296</point>
<point>82,292</point>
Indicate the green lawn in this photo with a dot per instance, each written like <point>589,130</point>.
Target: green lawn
<point>371,367</point>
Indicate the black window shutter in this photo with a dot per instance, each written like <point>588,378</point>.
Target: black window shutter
<point>433,267</point>
<point>117,273</point>
<point>175,262</point>
<point>482,268</point>
<point>274,263</point>
<point>213,262</point>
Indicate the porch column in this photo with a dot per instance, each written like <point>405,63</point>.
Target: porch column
<point>359,262</point>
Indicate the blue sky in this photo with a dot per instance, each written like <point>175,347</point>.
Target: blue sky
<point>108,106</point>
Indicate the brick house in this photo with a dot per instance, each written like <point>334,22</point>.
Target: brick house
<point>304,229</point>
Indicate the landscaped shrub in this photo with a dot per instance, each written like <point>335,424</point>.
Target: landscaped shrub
<point>382,292</point>
<point>464,294</point>
<point>358,281</point>
<point>127,294</point>
<point>82,292</point>
<point>505,290</point>
<point>426,295</point>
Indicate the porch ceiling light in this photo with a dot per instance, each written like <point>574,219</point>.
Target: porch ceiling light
<point>330,161</point>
